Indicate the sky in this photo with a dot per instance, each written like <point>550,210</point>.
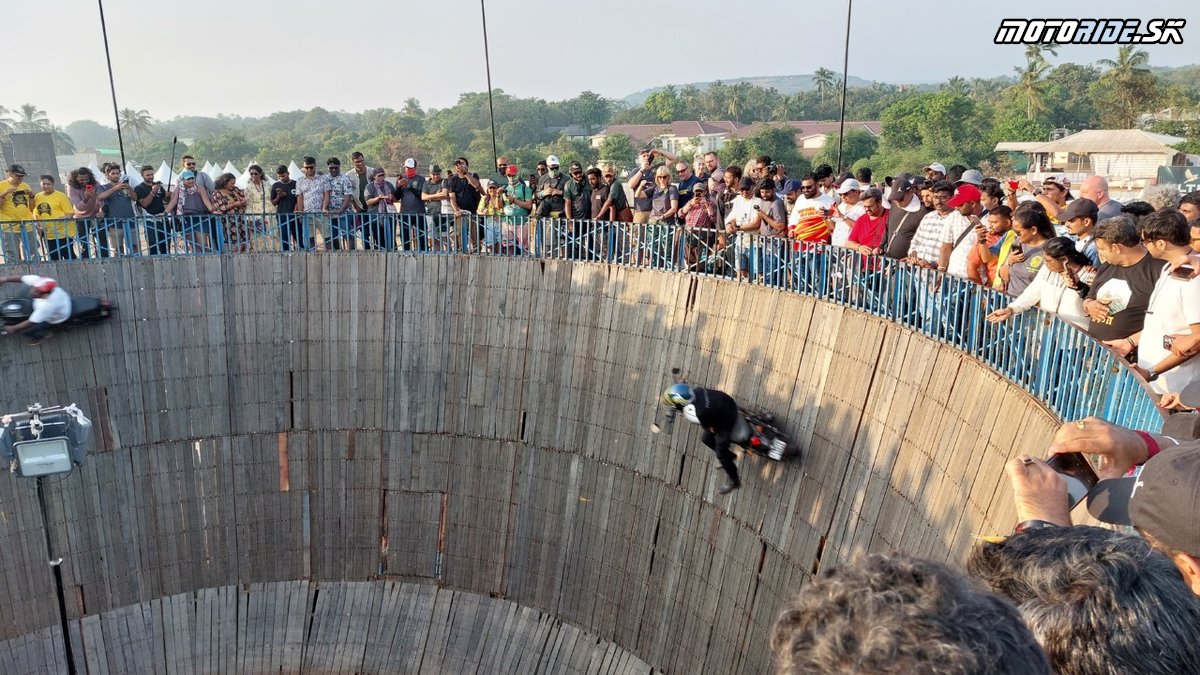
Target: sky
<point>254,57</point>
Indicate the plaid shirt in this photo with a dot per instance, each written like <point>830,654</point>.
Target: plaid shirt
<point>701,217</point>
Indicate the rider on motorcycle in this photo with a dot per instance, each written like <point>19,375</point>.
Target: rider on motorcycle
<point>51,305</point>
<point>718,413</point>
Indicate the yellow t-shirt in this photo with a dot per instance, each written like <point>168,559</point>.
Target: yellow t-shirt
<point>15,206</point>
<point>56,208</point>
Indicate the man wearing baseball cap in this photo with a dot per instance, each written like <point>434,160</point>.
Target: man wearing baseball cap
<point>935,172</point>
<point>550,190</point>
<point>1080,217</point>
<point>1162,500</point>
<point>16,207</point>
<point>960,225</point>
<point>51,305</point>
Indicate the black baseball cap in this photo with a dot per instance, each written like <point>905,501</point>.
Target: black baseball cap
<point>17,169</point>
<point>1162,499</point>
<point>575,166</point>
<point>1080,208</point>
<point>747,183</point>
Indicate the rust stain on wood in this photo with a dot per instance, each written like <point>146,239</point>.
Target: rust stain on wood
<point>284,483</point>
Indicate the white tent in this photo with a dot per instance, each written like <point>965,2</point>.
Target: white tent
<point>164,175</point>
<point>243,177</point>
<point>213,171</point>
<point>135,176</point>
<point>230,168</point>
<point>294,170</point>
<point>96,172</point>
<point>207,166</point>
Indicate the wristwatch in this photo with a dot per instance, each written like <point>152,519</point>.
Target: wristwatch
<point>1151,375</point>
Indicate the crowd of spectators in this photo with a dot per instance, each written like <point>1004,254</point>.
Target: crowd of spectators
<point>1124,273</point>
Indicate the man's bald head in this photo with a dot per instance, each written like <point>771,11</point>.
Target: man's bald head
<point>1095,188</point>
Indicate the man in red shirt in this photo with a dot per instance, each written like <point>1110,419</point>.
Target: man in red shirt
<point>869,230</point>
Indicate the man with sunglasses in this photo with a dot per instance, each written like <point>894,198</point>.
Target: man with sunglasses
<point>202,179</point>
<point>809,219</point>
<point>311,188</point>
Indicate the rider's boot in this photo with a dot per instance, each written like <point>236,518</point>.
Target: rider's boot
<point>730,485</point>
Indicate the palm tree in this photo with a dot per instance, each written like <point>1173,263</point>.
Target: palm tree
<point>1031,86</point>
<point>1129,60</point>
<point>31,118</point>
<point>6,123</point>
<point>1038,51</point>
<point>825,81</point>
<point>136,122</point>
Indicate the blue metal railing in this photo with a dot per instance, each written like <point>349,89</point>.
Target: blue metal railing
<point>1056,362</point>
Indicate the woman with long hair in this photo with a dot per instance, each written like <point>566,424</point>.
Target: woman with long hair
<point>1056,288</point>
<point>258,211</point>
<point>1033,229</point>
<point>229,201</point>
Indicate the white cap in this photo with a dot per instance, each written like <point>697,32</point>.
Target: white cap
<point>410,163</point>
<point>552,160</point>
<point>940,168</point>
<point>848,185</point>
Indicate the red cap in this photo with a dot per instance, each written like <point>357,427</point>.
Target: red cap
<point>963,194</point>
<point>511,170</point>
<point>46,285</point>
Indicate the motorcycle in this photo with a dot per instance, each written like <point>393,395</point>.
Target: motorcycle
<point>85,311</point>
<point>756,431</point>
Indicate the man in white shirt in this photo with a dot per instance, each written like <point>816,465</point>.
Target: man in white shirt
<point>51,305</point>
<point>958,235</point>
<point>1174,308</point>
<point>742,221</point>
<point>849,210</point>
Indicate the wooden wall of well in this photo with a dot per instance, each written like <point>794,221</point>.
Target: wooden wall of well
<point>482,424</point>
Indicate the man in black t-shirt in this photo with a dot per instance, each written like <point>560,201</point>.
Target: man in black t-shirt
<point>283,196</point>
<point>1120,294</point>
<point>149,195</point>
<point>465,193</point>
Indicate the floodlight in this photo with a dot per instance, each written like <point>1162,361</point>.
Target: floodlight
<point>45,441</point>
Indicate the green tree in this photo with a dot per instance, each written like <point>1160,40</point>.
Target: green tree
<point>859,144</point>
<point>777,142</point>
<point>664,105</point>
<point>30,118</point>
<point>1071,106</point>
<point>226,147</point>
<point>1126,89</point>
<point>617,148</point>
<point>947,127</point>
<point>955,85</point>
<point>589,110</point>
<point>6,122</point>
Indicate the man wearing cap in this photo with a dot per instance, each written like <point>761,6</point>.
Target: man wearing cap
<point>742,220</point>
<point>1081,217</point>
<point>903,217</point>
<point>576,193</point>
<point>847,211</point>
<point>16,212</point>
<point>550,190</point>
<point>687,180</point>
<point>1147,480</point>
<point>970,177</point>
<point>963,225</point>
<point>935,172</point>
<point>435,194</point>
<point>190,201</point>
<point>789,193</point>
<point>409,190</point>
<point>1095,188</point>
<point>700,217</point>
<point>51,305</point>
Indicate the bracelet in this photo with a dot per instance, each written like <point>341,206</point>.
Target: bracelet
<point>1152,446</point>
<point>1027,525</point>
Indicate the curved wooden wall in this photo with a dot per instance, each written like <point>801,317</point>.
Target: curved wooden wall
<point>481,424</point>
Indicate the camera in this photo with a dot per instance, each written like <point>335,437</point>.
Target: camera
<point>124,178</point>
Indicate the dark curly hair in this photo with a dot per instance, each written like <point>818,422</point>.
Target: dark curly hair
<point>1099,601</point>
<point>900,614</point>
